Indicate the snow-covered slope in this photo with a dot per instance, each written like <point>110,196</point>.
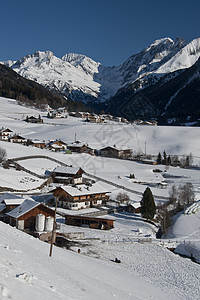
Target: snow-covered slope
<point>81,78</point>
<point>146,272</point>
<point>185,58</point>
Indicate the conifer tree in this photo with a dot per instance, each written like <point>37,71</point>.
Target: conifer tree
<point>169,161</point>
<point>148,207</point>
<point>164,158</point>
<point>159,159</point>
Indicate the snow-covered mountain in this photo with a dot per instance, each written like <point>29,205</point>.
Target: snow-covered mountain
<point>81,78</point>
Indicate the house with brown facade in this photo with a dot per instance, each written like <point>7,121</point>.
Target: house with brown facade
<point>17,139</point>
<point>81,196</point>
<point>67,175</point>
<point>8,202</point>
<point>94,119</point>
<point>34,120</point>
<point>98,222</point>
<point>32,216</point>
<point>115,152</point>
<point>57,145</point>
<point>80,147</point>
<point>38,144</point>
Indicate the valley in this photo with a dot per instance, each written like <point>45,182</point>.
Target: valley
<point>145,260</point>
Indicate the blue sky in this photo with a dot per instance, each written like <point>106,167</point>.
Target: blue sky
<point>107,31</point>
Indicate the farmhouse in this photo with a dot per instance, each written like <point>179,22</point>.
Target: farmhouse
<point>57,145</point>
<point>56,115</point>
<point>78,147</point>
<point>81,196</point>
<point>5,134</point>
<point>33,119</point>
<point>62,110</point>
<point>94,119</point>
<point>67,175</point>
<point>17,139</point>
<point>91,222</point>
<point>31,215</point>
<point>38,144</point>
<point>8,202</point>
<point>115,153</point>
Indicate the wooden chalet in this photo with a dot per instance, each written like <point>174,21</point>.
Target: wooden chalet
<point>33,119</point>
<point>103,222</point>
<point>56,115</point>
<point>94,119</point>
<point>67,175</point>
<point>38,144</point>
<point>24,216</point>
<point>115,153</point>
<point>141,122</point>
<point>17,139</point>
<point>78,147</point>
<point>62,110</point>
<point>5,134</point>
<point>133,208</point>
<point>12,203</point>
<point>57,145</point>
<point>8,202</point>
<point>81,196</point>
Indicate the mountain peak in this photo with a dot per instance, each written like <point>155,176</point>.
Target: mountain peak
<point>83,79</point>
<point>43,54</point>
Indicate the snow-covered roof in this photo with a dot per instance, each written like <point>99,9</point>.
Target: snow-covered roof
<point>77,145</point>
<point>13,201</point>
<point>57,142</point>
<point>6,130</point>
<point>17,137</point>
<point>80,190</point>
<point>8,196</point>
<point>26,206</point>
<point>118,148</point>
<point>66,170</point>
<point>38,142</point>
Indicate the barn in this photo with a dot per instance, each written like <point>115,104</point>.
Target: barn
<point>104,223</point>
<point>24,216</point>
<point>66,175</point>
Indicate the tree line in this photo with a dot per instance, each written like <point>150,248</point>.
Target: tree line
<point>174,160</point>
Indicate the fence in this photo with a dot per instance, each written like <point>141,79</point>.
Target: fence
<point>123,187</point>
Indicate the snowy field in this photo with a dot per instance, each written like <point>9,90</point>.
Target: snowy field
<point>69,275</point>
<point>164,274</point>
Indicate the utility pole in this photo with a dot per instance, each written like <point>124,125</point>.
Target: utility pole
<point>145,148</point>
<point>53,230</point>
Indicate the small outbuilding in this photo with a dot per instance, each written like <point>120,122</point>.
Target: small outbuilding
<point>103,222</point>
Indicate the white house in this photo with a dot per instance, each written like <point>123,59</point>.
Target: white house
<point>5,134</point>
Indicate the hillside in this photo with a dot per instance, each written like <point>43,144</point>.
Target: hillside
<point>173,99</point>
<point>27,269</point>
<point>14,86</point>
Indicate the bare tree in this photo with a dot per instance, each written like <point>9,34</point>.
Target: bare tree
<point>122,197</point>
<point>3,154</point>
<point>173,196</point>
<point>186,194</point>
<point>164,217</point>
